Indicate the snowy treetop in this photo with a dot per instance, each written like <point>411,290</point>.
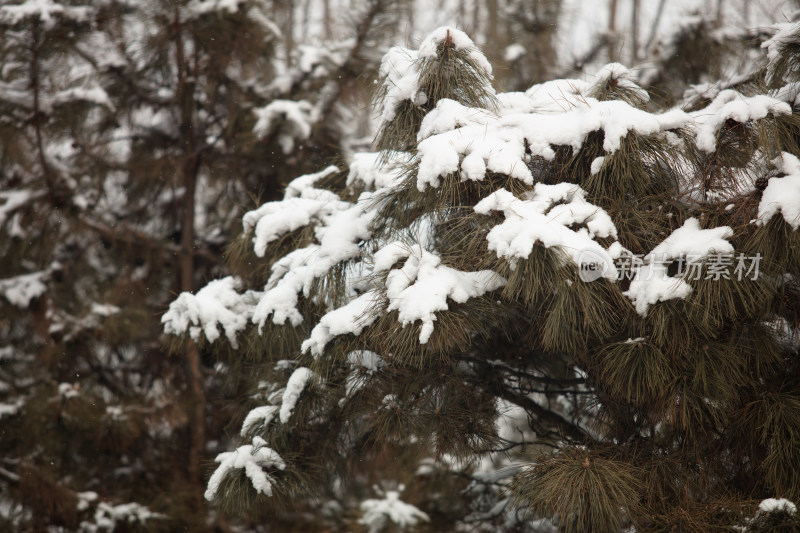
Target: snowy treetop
<point>468,144</point>
<point>446,36</point>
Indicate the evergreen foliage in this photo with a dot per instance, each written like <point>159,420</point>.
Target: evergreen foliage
<point>424,317</point>
<point>131,135</point>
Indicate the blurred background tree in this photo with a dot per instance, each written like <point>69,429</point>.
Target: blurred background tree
<point>132,137</point>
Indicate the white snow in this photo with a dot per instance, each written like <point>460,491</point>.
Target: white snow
<point>400,74</point>
<point>782,194</point>
<point>85,498</point>
<point>298,186</point>
<point>294,121</point>
<point>423,285</point>
<point>219,302</point>
<point>789,93</point>
<point>258,417</point>
<point>597,164</point>
<point>68,390</point>
<point>460,41</point>
<point>107,516</point>
<point>13,200</point>
<point>274,219</point>
<point>10,409</point>
<point>730,104</point>
<point>400,69</point>
<point>364,363</point>
<point>771,505</point>
<point>95,95</point>
<point>622,76</point>
<point>104,310</point>
<point>449,115</point>
<point>201,7</point>
<point>546,217</point>
<point>785,33</point>
<point>294,387</point>
<point>351,318</point>
<point>367,170</point>
<point>253,458</point>
<point>370,361</point>
<point>377,513</point>
<point>20,290</point>
<point>281,297</point>
<point>513,52</point>
<point>652,284</point>
<point>46,11</point>
<point>476,141</point>
<point>342,227</point>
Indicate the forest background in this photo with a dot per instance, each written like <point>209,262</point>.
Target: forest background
<point>134,135</point>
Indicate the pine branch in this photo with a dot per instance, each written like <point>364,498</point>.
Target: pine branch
<point>542,414</point>
<point>9,477</point>
<point>128,235</point>
<point>523,374</point>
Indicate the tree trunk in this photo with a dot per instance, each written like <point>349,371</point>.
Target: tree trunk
<point>612,31</point>
<point>188,173</point>
<point>326,18</point>
<point>634,32</point>
<point>654,29</point>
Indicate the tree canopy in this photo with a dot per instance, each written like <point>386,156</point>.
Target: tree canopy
<point>559,309</point>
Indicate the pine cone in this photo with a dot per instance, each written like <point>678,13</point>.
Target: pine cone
<point>762,182</point>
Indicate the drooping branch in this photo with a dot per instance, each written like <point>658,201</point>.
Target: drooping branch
<point>542,414</point>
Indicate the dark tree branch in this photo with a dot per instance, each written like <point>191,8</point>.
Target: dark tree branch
<point>542,414</point>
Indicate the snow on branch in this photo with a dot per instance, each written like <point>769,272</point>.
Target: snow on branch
<point>458,40</point>
<point>622,77</point>
<point>377,513</point>
<point>786,33</point>
<point>423,285</point>
<point>94,95</point>
<point>777,505</point>
<point>782,193</point>
<point>20,290</point>
<point>298,186</point>
<point>651,282</point>
<point>730,104</point>
<point>253,458</point>
<point>351,318</point>
<point>201,7</point>
<point>364,364</point>
<point>545,216</point>
<point>343,226</point>
<point>401,81</point>
<point>477,141</point>
<point>109,517</point>
<point>275,219</point>
<point>219,302</point>
<point>47,11</point>
<point>13,200</point>
<point>367,171</point>
<point>294,121</point>
<point>260,417</point>
<point>294,388</point>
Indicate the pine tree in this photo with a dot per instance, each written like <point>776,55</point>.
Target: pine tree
<point>557,310</point>
<point>131,134</point>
